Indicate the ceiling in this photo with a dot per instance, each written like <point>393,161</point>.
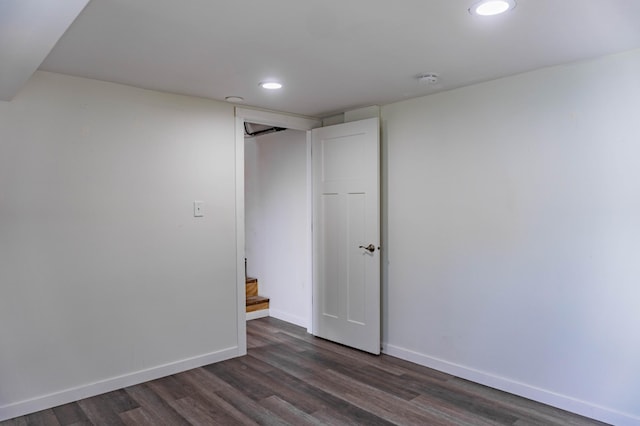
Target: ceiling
<point>28,31</point>
<point>331,55</point>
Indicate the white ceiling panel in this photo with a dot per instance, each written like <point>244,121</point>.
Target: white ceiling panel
<point>331,55</point>
<point>28,31</point>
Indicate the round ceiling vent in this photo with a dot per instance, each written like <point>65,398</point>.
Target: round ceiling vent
<point>428,78</point>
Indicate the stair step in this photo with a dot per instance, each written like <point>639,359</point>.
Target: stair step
<point>251,287</point>
<point>252,300</point>
<point>257,303</point>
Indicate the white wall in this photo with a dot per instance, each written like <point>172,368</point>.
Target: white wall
<point>513,234</point>
<point>276,221</point>
<point>107,278</point>
<point>513,246</point>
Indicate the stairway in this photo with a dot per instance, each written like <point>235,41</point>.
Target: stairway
<point>254,301</point>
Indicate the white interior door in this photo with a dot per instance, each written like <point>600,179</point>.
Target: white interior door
<point>346,234</point>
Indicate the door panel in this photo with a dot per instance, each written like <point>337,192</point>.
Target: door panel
<point>330,292</point>
<point>356,258</point>
<point>346,219</point>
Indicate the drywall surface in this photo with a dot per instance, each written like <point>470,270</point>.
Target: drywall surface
<point>106,275</point>
<point>29,30</point>
<point>276,219</point>
<point>513,234</point>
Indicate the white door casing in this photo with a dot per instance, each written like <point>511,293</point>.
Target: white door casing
<point>346,221</point>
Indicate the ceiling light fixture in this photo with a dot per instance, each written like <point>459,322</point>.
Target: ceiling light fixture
<point>491,7</point>
<point>234,99</point>
<point>271,85</point>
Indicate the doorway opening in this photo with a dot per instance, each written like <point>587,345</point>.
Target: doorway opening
<point>260,243</point>
<point>276,223</point>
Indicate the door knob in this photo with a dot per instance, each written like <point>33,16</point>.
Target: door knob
<point>370,247</point>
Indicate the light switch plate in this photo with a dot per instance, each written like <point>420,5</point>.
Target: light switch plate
<point>198,208</point>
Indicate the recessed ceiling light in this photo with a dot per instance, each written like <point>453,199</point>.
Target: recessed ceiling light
<point>492,7</point>
<point>234,99</point>
<point>271,85</point>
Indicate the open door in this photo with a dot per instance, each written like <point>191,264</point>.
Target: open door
<point>346,234</point>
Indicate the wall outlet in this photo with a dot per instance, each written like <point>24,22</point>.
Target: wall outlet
<point>198,208</point>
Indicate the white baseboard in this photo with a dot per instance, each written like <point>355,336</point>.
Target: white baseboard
<point>521,389</point>
<point>257,314</point>
<point>92,389</point>
<point>293,319</point>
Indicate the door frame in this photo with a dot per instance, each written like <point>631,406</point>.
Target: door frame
<point>268,118</point>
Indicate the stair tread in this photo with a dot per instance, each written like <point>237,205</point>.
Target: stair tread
<point>254,300</point>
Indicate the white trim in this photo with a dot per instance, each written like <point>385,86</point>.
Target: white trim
<point>92,389</point>
<point>517,388</point>
<point>309,286</point>
<point>284,316</point>
<point>240,240</point>
<point>277,119</point>
<point>257,314</point>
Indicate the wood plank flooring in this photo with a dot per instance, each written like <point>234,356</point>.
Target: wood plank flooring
<point>292,378</point>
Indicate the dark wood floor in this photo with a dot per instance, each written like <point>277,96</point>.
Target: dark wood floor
<point>289,377</point>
